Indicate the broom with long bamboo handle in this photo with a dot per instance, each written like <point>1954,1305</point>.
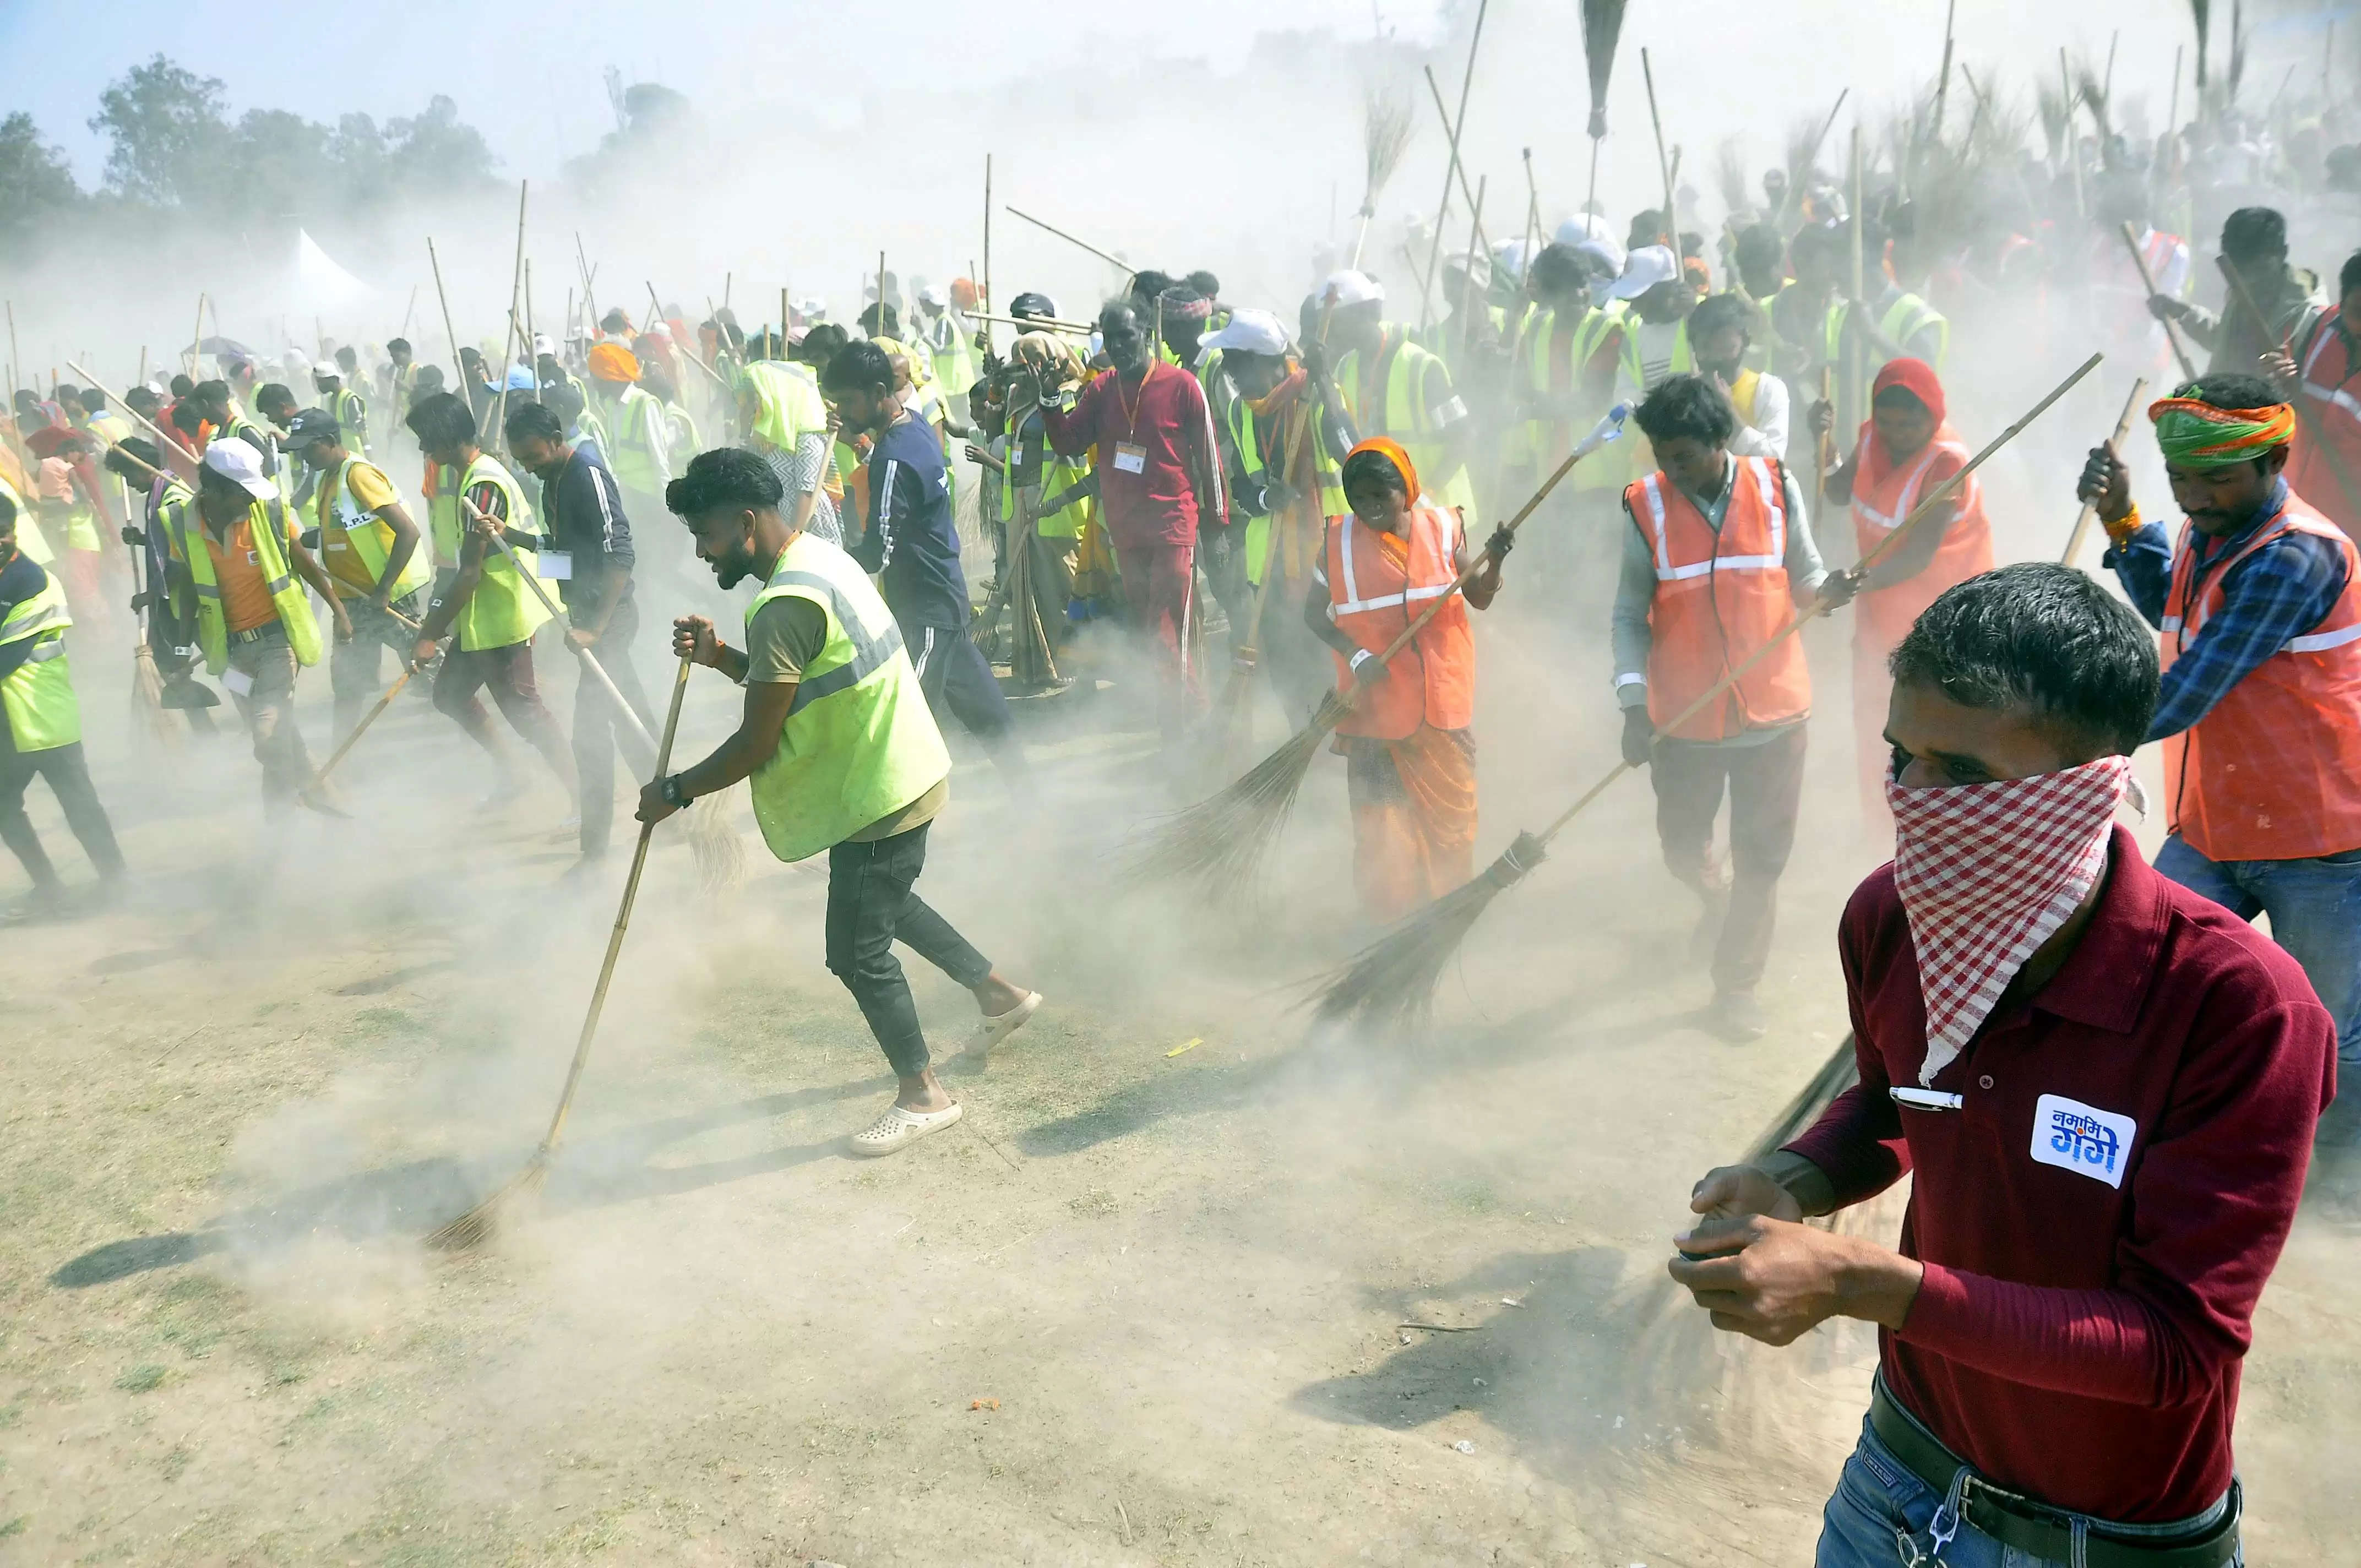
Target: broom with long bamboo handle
<point>1458,170</point>
<point>1602,24</point>
<point>2148,281</point>
<point>472,1227</point>
<point>1391,983</point>
<point>2090,508</point>
<point>1112,260</point>
<point>361,729</point>
<point>1672,222</point>
<point>1221,841</point>
<point>1243,662</point>
<point>1451,165</point>
<point>2312,431</point>
<point>450,332</point>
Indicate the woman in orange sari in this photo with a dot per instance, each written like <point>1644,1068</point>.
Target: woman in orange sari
<point>1409,753</point>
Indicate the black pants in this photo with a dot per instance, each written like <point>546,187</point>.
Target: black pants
<point>600,731</point>
<point>870,904</point>
<point>1765,783</point>
<point>957,677</point>
<point>69,777</point>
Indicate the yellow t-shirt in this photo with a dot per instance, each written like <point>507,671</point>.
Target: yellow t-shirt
<point>371,489</point>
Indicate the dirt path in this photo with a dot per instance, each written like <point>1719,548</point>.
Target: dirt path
<point>1145,1306</point>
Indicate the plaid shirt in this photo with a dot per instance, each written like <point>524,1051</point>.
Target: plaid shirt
<point>2280,592</point>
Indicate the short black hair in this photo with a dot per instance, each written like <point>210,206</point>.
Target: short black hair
<point>2350,278</point>
<point>727,476</point>
<point>1558,269</point>
<point>2044,637</point>
<point>182,386</point>
<point>532,420</point>
<point>7,513</point>
<point>1363,469</point>
<point>823,341</point>
<point>210,392</point>
<point>443,420</point>
<point>859,367</point>
<point>1719,312</point>
<point>91,399</point>
<point>120,460</point>
<point>143,399</point>
<point>2252,232</point>
<point>272,396</point>
<point>1689,405</point>
<point>880,320</point>
<point>614,319</point>
<point>346,358</point>
<point>1205,283</point>
<point>1148,285</point>
<point>185,417</point>
<point>397,345</point>
<point>2232,390</point>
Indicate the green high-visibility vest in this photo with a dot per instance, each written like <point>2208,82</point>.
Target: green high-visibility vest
<point>31,541</point>
<point>684,440</point>
<point>1332,486</point>
<point>859,743</point>
<point>503,611</point>
<point>1404,414</point>
<point>267,523</point>
<point>1905,319</point>
<point>637,456</point>
<point>1058,474</point>
<point>349,525</point>
<point>352,417</point>
<point>1536,351</point>
<point>954,352</point>
<point>38,694</point>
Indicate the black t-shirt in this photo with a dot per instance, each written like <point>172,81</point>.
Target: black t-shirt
<point>911,539</point>
<point>585,510</point>
<point>21,579</point>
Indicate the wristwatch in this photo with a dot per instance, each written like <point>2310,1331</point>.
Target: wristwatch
<point>673,795</point>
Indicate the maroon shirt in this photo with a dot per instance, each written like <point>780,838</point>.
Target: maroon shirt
<point>2098,1219</point>
<point>1169,420</point>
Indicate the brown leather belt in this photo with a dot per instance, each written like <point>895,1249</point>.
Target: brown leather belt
<point>2030,1525</point>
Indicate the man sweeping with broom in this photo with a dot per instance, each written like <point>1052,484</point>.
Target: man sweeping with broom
<point>844,756</point>
<point>2105,1086</point>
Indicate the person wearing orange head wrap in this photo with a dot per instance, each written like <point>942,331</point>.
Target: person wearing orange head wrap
<point>638,448</point>
<point>1408,745</point>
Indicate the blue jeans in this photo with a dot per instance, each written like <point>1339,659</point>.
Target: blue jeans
<point>1877,1501</point>
<point>2315,910</point>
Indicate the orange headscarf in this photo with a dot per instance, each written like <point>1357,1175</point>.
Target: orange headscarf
<point>613,362</point>
<point>1391,450</point>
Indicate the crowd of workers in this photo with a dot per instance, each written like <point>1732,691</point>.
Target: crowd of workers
<point>1141,482</point>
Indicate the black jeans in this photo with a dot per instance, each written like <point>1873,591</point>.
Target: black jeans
<point>69,777</point>
<point>870,905</point>
<point>599,731</point>
<point>955,675</point>
<point>1765,783</point>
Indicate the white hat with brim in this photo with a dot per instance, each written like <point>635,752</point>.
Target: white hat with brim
<point>1249,332</point>
<point>1353,288</point>
<point>1643,269</point>
<point>233,457</point>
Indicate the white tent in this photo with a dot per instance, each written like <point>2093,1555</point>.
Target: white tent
<point>322,284</point>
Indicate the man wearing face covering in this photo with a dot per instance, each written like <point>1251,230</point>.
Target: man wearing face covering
<point>2261,706</point>
<point>2104,1087</point>
<point>1904,451</point>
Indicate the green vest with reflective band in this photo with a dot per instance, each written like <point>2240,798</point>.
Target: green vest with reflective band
<point>30,539</point>
<point>589,427</point>
<point>38,694</point>
<point>352,417</point>
<point>1406,417</point>
<point>369,537</point>
<point>503,611</point>
<point>1683,362</point>
<point>685,436</point>
<point>954,353</point>
<point>267,522</point>
<point>1058,474</point>
<point>1905,319</point>
<point>859,743</point>
<point>637,436</point>
<point>1332,484</point>
<point>1535,350</point>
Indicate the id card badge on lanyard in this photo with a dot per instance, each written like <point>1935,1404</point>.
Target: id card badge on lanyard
<point>1129,458</point>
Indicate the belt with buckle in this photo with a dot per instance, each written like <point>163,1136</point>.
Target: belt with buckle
<point>2032,1526</point>
<point>262,634</point>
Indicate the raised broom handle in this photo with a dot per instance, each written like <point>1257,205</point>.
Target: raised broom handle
<point>2090,508</point>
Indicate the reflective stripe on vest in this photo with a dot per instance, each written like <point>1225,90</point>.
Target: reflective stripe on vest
<point>1404,416</point>
<point>38,695</point>
<point>2336,397</point>
<point>1886,522</point>
<point>859,743</point>
<point>264,526</point>
<point>1432,680</point>
<point>369,536</point>
<point>1774,560</point>
<point>503,611</point>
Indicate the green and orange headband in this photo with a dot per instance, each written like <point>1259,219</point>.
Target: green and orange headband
<point>2196,434</point>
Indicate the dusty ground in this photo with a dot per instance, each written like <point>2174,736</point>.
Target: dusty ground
<point>1145,1306</point>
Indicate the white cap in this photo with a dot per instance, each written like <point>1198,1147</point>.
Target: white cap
<point>1607,251</point>
<point>1588,229</point>
<point>1354,288</point>
<point>931,295</point>
<point>1646,267</point>
<point>542,344</point>
<point>233,457</point>
<point>1249,332</point>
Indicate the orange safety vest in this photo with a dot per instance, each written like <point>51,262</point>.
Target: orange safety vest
<point>2273,772</point>
<point>1433,680</point>
<point>1881,500</point>
<point>1720,598</point>
<point>2336,412</point>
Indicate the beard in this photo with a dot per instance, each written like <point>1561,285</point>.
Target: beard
<point>735,567</point>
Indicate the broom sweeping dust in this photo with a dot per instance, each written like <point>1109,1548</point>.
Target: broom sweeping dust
<point>1222,841</point>
<point>1391,986</point>
<point>479,1222</point>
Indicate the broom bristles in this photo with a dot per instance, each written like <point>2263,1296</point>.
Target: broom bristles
<point>148,696</point>
<point>1839,1073</point>
<point>474,1227</point>
<point>1391,986</point>
<point>719,853</point>
<point>1222,840</point>
<point>1387,124</point>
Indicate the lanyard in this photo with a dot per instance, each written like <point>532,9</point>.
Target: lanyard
<point>1131,409</point>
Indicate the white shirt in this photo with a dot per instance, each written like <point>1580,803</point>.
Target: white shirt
<point>1767,436</point>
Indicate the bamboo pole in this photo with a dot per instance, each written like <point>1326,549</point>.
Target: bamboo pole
<point>2312,432</point>
<point>1471,301</point>
<point>1943,80</point>
<point>2148,281</point>
<point>1857,360</point>
<point>1130,272</point>
<point>516,287</point>
<point>1671,234</point>
<point>986,301</point>
<point>2072,143</point>
<point>1458,169</point>
<point>880,331</point>
<point>589,300</point>
<point>1451,164</point>
<point>196,353</point>
<point>449,332</point>
<point>2115,442</point>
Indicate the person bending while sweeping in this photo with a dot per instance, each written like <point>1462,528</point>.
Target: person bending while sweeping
<point>844,756</point>
<point>2105,1086</point>
<point>1410,754</point>
<point>1717,560</point>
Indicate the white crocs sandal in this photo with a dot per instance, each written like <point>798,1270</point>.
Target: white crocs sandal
<point>997,1027</point>
<point>897,1129</point>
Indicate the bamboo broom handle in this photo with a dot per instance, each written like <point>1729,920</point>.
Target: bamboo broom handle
<point>622,923</point>
<point>1796,623</point>
<point>2304,416</point>
<point>2091,508</point>
<point>383,703</point>
<point>1248,654</point>
<point>2148,281</point>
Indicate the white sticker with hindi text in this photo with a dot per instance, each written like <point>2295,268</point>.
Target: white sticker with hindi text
<point>2083,1139</point>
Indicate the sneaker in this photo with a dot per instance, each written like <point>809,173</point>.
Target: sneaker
<point>897,1129</point>
<point>1738,1017</point>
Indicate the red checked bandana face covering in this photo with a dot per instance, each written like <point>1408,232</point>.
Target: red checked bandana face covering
<point>1987,873</point>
